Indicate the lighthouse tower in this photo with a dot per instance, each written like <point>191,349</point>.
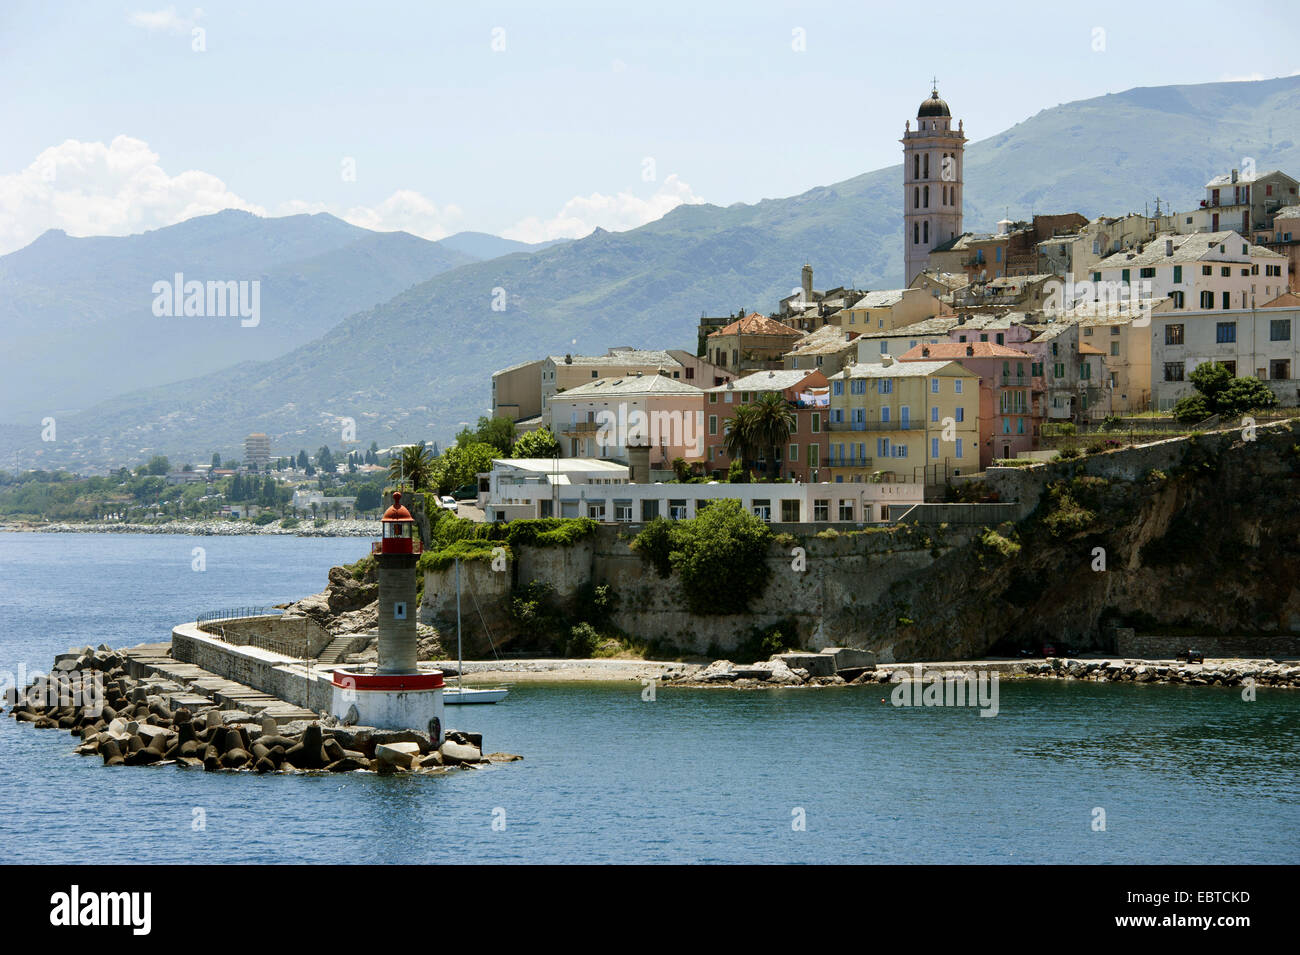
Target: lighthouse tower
<point>396,693</point>
<point>933,166</point>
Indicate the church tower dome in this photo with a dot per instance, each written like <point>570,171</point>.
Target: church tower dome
<point>933,161</point>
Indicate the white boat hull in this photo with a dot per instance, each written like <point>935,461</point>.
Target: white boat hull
<point>452,696</point>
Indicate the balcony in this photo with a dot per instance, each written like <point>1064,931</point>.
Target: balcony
<point>1016,381</point>
<point>850,461</point>
<point>912,425</point>
<point>580,427</point>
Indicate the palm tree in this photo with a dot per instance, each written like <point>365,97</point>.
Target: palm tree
<point>773,421</point>
<point>739,436</point>
<point>414,464</point>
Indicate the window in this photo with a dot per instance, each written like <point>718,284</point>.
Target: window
<point>1173,371</point>
<point>1036,369</point>
<point>816,424</point>
<point>1147,273</point>
<point>837,388</point>
<point>1178,298</point>
<point>790,512</point>
<point>1279,330</point>
<point>884,386</point>
<point>596,510</point>
<point>1058,370</point>
<point>884,345</point>
<point>934,386</point>
<point>959,413</point>
<point>1225,332</point>
<point>885,413</point>
<point>1207,270</point>
<point>883,448</point>
<point>794,453</point>
<point>934,447</point>
<point>713,424</point>
<point>1114,348</point>
<point>959,454</point>
<point>1226,302</point>
<point>956,386</point>
<point>1207,300</point>
<point>1225,271</point>
<point>1085,370</point>
<point>821,509</point>
<point>900,450</point>
<point>934,414</point>
<point>1087,332</point>
<point>1178,274</point>
<point>1173,334</point>
<point>677,510</point>
<point>713,397</point>
<point>846,509</point>
<point>763,510</point>
<point>623,511</point>
<point>1279,369</point>
<point>649,510</point>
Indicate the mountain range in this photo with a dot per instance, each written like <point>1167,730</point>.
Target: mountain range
<point>418,363</point>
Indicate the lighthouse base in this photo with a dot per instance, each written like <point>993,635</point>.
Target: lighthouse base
<point>411,701</point>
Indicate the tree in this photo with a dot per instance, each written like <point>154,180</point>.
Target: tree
<point>498,432</point>
<point>302,462</point>
<point>325,460</point>
<point>536,444</point>
<point>414,466</point>
<point>158,465</point>
<point>1218,392</point>
<point>774,419</point>
<point>460,464</point>
<point>216,460</point>
<point>739,434</point>
<point>369,497</point>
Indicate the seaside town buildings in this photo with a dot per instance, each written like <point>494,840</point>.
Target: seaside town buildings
<point>995,337</point>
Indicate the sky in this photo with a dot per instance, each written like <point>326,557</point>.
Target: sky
<point>531,120</point>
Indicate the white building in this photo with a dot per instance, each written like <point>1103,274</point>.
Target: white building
<point>1261,342</point>
<point>600,490</point>
<point>1204,270</point>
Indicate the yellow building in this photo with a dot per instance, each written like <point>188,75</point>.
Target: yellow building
<point>915,422</point>
<point>889,309</point>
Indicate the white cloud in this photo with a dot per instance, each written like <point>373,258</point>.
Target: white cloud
<point>167,19</point>
<point>89,188</point>
<point>1252,77</point>
<point>98,189</point>
<point>581,214</point>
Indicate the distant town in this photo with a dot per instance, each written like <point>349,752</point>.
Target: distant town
<point>1059,336</point>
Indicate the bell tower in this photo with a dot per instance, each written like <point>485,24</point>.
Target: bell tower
<point>933,165</point>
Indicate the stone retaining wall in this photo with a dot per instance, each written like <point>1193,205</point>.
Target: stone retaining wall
<point>1159,647</point>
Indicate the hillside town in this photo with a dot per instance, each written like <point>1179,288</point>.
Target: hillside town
<point>865,402</point>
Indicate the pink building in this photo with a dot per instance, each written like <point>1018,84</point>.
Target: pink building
<point>1008,422</point>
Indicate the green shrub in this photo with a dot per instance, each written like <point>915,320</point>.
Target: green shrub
<point>654,544</point>
<point>289,523</point>
<point>720,558</point>
<point>991,542</point>
<point>764,643</point>
<point>582,641</point>
<point>320,521</point>
<point>466,549</point>
<point>266,517</point>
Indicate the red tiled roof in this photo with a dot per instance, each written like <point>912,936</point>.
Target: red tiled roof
<point>756,324</point>
<point>956,351</point>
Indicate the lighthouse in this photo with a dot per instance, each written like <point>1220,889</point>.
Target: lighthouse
<point>395,693</point>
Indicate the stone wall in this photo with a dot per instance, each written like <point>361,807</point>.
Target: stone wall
<point>270,672</point>
<point>291,635</point>
<point>1160,647</point>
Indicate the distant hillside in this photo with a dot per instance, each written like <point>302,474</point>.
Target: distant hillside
<point>78,313</point>
<point>483,245</point>
<point>420,363</point>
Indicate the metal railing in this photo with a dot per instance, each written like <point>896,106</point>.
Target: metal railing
<point>233,613</point>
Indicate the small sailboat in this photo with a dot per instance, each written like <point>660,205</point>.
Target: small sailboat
<point>458,694</point>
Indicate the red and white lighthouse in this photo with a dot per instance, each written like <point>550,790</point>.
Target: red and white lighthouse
<point>396,693</point>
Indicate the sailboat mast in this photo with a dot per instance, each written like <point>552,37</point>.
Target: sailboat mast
<point>460,662</point>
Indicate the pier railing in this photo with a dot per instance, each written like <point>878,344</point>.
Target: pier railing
<point>234,613</point>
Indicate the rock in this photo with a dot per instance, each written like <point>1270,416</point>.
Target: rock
<point>235,758</point>
<point>816,664</point>
<point>143,757</point>
<point>719,671</point>
<point>468,739</point>
<point>456,753</point>
<point>502,757</point>
<point>333,750</point>
<point>263,765</point>
<point>213,718</point>
<point>432,759</point>
<point>398,754</point>
<point>781,675</point>
<point>348,764</point>
<point>419,737</point>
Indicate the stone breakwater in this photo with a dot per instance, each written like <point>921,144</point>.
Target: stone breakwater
<point>1211,673</point>
<point>837,667</point>
<point>217,529</point>
<point>128,722</point>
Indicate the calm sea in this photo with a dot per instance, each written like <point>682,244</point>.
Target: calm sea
<point>1182,775</point>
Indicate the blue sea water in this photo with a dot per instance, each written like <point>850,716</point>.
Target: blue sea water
<point>1184,775</point>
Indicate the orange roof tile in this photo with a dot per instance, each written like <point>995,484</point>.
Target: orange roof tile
<point>756,324</point>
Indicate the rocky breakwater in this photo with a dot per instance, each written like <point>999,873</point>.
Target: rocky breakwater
<point>833,666</point>
<point>216,528</point>
<point>132,722</point>
<point>1212,673</point>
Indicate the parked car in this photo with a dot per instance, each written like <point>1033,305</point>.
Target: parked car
<point>448,503</point>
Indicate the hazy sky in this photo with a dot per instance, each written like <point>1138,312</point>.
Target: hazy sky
<point>534,120</point>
